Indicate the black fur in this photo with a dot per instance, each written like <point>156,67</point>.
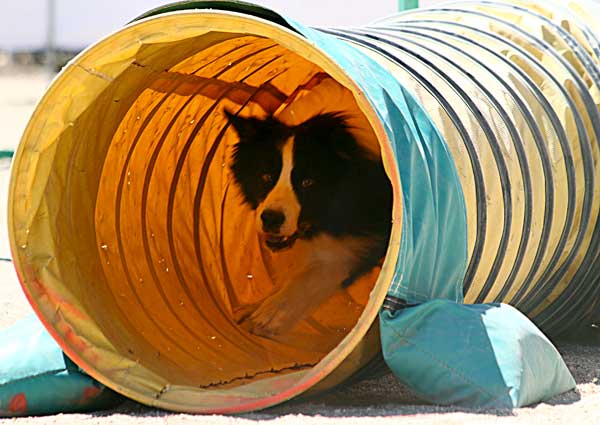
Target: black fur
<point>350,194</point>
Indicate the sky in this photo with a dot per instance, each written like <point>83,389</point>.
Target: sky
<point>23,23</point>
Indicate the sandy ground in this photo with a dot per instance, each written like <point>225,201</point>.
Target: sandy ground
<point>381,401</point>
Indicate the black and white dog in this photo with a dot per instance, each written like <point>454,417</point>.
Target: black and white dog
<point>313,186</point>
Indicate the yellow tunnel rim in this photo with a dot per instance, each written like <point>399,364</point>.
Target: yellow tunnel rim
<point>196,23</point>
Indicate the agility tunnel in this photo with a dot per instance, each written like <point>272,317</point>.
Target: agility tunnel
<point>134,248</point>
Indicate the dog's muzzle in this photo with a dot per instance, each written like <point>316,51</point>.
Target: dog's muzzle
<point>279,242</point>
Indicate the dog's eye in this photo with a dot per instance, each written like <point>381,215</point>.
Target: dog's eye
<point>306,183</point>
<point>267,178</point>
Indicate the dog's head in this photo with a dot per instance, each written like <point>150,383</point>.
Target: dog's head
<point>290,175</point>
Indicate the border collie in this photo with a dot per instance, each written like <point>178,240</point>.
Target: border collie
<point>311,185</point>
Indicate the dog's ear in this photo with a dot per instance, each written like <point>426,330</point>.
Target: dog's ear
<point>246,128</point>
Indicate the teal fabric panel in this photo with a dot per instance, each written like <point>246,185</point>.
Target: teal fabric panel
<point>36,378</point>
<point>486,355</point>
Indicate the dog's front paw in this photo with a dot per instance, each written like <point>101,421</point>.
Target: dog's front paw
<point>273,317</point>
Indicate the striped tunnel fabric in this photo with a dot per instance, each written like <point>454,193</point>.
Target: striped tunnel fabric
<point>516,96</point>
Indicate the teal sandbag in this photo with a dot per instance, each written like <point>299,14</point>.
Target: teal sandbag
<point>478,356</point>
<point>36,378</point>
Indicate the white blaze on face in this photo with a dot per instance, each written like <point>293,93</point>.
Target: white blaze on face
<point>282,197</point>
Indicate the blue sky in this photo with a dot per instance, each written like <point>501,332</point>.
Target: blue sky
<point>81,22</point>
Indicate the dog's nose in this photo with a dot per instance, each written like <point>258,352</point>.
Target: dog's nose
<point>272,220</point>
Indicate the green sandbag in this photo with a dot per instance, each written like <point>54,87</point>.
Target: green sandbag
<point>477,356</point>
<point>36,378</point>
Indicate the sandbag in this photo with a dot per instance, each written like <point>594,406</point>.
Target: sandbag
<point>476,356</point>
<point>36,377</point>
